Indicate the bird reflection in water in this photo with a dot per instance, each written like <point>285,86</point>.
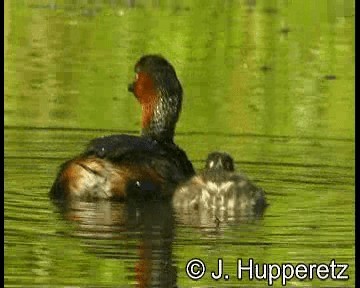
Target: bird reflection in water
<point>141,230</point>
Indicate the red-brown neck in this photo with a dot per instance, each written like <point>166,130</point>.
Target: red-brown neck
<point>147,115</point>
<point>160,94</point>
<point>145,91</point>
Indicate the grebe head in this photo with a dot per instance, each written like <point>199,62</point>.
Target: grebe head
<point>159,92</point>
<point>219,160</point>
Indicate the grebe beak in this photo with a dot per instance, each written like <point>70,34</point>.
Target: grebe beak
<point>219,165</point>
<point>131,87</point>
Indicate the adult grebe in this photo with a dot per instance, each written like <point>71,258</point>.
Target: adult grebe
<point>120,166</point>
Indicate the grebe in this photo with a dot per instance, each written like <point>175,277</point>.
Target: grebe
<point>220,189</point>
<point>120,166</point>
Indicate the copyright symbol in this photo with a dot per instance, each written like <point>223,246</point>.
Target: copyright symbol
<point>195,269</point>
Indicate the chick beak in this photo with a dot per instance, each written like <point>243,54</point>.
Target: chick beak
<point>219,165</point>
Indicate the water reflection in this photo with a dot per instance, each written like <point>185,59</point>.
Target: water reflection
<point>115,230</point>
<point>141,234</point>
<point>210,220</point>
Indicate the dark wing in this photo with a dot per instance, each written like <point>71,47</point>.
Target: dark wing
<point>180,158</point>
<point>167,159</point>
<point>114,146</point>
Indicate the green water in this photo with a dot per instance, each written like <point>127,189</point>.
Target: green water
<point>270,82</point>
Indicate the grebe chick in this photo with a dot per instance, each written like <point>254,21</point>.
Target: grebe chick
<point>220,189</point>
<point>119,166</point>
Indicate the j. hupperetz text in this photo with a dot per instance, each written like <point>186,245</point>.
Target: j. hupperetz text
<point>196,270</point>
